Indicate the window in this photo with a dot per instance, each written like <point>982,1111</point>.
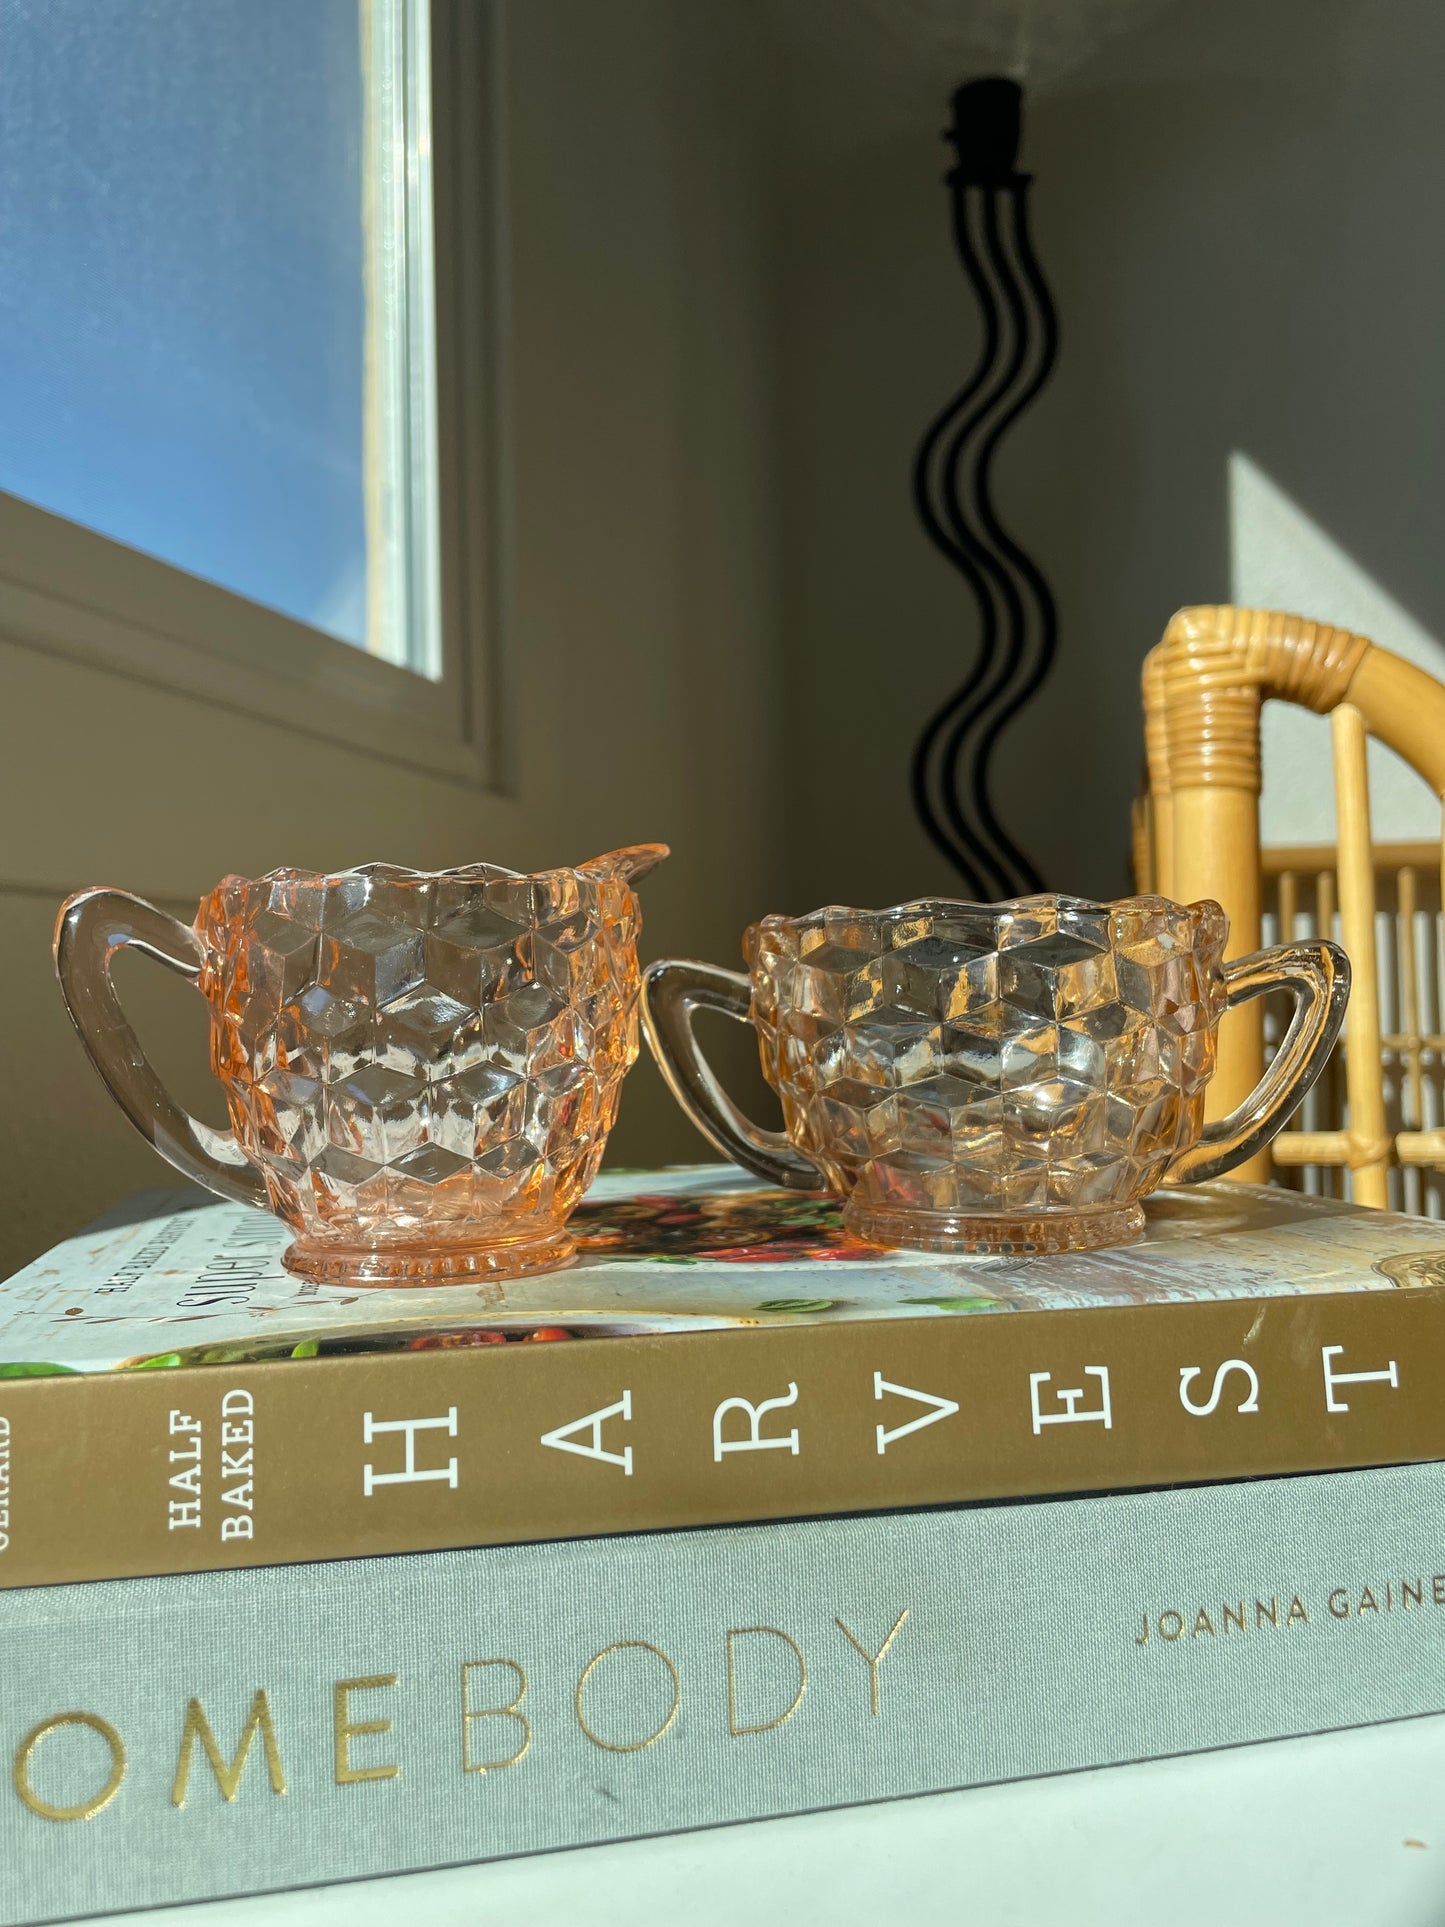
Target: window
<point>249,412</point>
<point>216,297</point>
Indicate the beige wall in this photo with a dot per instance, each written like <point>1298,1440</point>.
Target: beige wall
<point>1237,207</point>
<point>639,627</point>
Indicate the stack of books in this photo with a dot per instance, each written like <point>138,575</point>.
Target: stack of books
<point>735,1517</point>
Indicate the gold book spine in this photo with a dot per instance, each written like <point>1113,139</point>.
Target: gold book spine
<point>119,1474</point>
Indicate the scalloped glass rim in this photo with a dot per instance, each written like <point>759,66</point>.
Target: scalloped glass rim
<point>631,862</point>
<point>1205,914</point>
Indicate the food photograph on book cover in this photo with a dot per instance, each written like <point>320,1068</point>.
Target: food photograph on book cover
<point>724,961</point>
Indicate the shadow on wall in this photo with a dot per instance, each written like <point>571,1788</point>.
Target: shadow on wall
<point>1236,209</point>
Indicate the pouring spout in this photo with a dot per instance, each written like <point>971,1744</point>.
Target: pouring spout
<point>629,864</point>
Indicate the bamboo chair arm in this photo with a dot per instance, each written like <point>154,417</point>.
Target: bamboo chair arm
<point>1202,688</point>
<point>1204,682</point>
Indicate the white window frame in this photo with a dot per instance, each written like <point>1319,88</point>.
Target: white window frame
<point>73,593</point>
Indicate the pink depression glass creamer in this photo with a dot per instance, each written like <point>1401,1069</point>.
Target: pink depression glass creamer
<point>421,1068</point>
<point>994,1077</point>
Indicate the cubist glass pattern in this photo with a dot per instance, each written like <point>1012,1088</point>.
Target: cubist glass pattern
<point>424,1067</point>
<point>1041,1056</point>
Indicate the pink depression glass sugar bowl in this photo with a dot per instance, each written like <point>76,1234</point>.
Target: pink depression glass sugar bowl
<point>421,1068</point>
<point>1008,1077</point>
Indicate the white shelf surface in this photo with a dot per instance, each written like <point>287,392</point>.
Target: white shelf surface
<point>1342,1828</point>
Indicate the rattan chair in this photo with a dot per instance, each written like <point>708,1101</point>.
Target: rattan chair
<point>1197,835</point>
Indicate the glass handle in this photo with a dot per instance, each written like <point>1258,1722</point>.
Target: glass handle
<point>94,925</point>
<point>671,992</point>
<point>1318,974</point>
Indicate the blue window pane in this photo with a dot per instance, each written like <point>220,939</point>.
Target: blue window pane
<point>183,286</point>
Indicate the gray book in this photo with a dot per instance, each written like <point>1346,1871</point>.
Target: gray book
<point>222,1733</point>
